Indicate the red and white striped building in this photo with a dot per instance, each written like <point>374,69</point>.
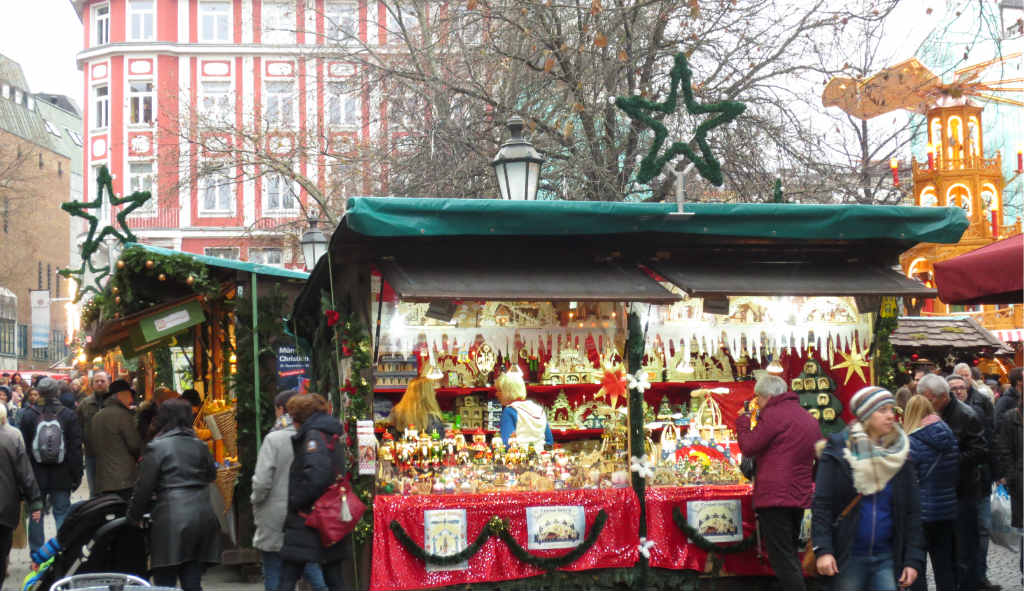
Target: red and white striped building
<point>147,61</point>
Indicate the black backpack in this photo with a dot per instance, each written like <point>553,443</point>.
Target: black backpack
<point>48,444</point>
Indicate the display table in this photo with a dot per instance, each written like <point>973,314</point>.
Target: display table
<point>673,550</point>
<point>395,568</point>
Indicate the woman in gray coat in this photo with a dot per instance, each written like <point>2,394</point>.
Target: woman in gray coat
<point>17,484</point>
<point>270,498</point>
<point>173,485</point>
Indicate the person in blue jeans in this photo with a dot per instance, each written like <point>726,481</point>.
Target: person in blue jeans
<point>879,543</point>
<point>58,472</point>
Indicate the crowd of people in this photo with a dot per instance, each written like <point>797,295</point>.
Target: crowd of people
<point>909,479</point>
<point>55,432</point>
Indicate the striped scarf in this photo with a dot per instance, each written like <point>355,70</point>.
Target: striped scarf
<point>875,465</point>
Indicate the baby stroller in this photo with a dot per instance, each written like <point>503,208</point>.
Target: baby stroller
<point>95,538</point>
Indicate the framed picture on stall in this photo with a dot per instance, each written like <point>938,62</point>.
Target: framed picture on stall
<point>719,521</point>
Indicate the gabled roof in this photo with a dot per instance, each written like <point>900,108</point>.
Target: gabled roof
<point>955,332</point>
<point>245,267</point>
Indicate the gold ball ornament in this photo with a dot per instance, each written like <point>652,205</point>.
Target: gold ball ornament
<point>162,277</point>
<point>191,279</point>
<point>120,264</point>
<point>150,264</point>
<point>115,290</point>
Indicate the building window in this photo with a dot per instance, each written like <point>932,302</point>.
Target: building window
<point>214,21</point>
<point>50,127</point>
<point>280,103</point>
<point>140,178</point>
<point>216,195</point>
<point>280,195</point>
<point>222,252</point>
<point>266,256</point>
<point>402,23</point>
<point>140,20</point>
<point>76,137</point>
<point>101,107</point>
<point>101,24</point>
<point>216,102</point>
<point>278,23</point>
<point>340,21</point>
<point>140,103</point>
<point>342,106</point>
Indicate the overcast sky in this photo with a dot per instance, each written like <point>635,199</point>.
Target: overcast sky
<point>45,35</point>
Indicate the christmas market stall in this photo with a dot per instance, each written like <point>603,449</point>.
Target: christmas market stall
<point>186,321</point>
<point>639,332</point>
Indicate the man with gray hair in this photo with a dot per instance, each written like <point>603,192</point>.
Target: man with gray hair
<point>87,409</point>
<point>53,438</point>
<point>970,436</point>
<point>781,438</point>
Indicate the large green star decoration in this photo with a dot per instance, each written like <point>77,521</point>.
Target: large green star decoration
<point>640,109</point>
<point>93,240</point>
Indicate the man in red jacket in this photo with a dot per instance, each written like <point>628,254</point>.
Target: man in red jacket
<point>782,443</point>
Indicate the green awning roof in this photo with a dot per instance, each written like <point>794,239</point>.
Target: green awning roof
<point>265,270</point>
<point>411,217</point>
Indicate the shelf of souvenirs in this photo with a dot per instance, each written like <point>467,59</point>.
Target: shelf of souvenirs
<point>552,390</point>
<point>559,435</point>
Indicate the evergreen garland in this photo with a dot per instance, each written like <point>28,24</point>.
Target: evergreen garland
<point>136,284</point>
<point>164,371</point>
<point>884,356</point>
<point>271,309</point>
<point>639,108</point>
<point>499,527</point>
<point>707,545</point>
<point>777,192</point>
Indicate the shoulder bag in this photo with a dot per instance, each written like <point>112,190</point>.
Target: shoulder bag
<point>810,561</point>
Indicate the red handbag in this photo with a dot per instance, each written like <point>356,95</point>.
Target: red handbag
<point>336,513</point>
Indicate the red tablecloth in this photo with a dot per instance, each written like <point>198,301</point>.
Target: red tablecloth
<point>671,547</point>
<point>395,568</point>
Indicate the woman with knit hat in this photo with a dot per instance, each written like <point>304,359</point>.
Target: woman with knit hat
<point>866,512</point>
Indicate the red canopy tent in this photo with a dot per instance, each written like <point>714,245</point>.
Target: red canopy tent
<point>992,274</point>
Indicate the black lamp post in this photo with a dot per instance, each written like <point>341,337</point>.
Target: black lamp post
<point>314,245</point>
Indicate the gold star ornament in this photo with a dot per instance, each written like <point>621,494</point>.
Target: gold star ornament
<point>854,362</point>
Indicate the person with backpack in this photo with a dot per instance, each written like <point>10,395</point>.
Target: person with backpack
<point>319,446</point>
<point>53,437</point>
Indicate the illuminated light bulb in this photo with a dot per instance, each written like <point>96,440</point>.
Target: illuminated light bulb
<point>515,370</point>
<point>434,373</point>
<point>774,367</point>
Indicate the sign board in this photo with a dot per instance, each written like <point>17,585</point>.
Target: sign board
<point>40,301</point>
<point>444,534</point>
<point>555,527</point>
<point>292,368</point>
<point>168,323</point>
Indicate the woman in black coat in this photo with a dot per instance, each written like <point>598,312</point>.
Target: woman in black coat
<point>173,485</point>
<point>1009,452</point>
<point>319,444</point>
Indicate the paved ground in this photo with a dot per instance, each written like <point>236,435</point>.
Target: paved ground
<point>1003,567</point>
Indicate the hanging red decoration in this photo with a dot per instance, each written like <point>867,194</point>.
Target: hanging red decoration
<point>332,317</point>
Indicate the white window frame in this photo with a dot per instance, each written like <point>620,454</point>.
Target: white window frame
<point>101,106</point>
<point>50,127</point>
<point>222,189</point>
<point>216,107</point>
<point>409,18</point>
<point>263,251</point>
<point>138,101</point>
<point>279,103</point>
<point>274,186</point>
<point>215,20</point>
<point>278,23</point>
<point>343,106</point>
<point>213,251</point>
<point>337,15</point>
<point>140,21</point>
<point>101,24</point>
<point>143,180</point>
<point>76,137</point>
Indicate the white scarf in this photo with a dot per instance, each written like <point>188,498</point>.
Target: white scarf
<point>875,465</point>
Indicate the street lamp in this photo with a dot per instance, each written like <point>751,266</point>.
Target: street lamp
<point>314,245</point>
<point>517,165</point>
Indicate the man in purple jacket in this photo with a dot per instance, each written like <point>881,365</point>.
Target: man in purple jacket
<point>782,443</point>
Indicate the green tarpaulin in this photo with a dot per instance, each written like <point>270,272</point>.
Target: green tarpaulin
<point>408,217</point>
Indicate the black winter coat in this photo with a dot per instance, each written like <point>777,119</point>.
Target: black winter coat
<point>970,437</point>
<point>1008,401</point>
<point>982,406</point>
<point>834,490</point>
<point>1009,452</point>
<point>173,486</point>
<point>936,458</point>
<point>313,470</point>
<point>65,476</point>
